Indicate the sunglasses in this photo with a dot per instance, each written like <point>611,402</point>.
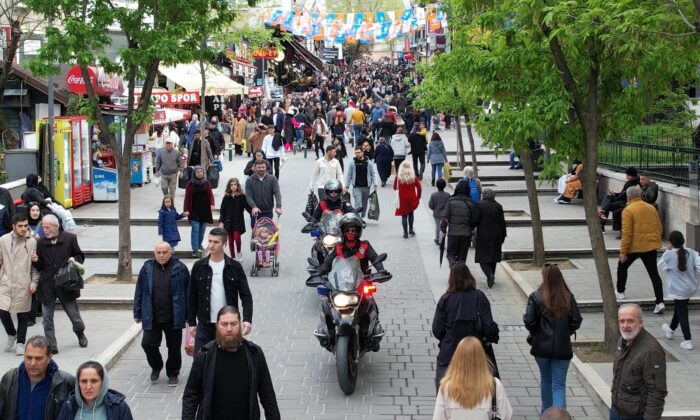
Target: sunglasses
<point>334,192</point>
<point>350,230</point>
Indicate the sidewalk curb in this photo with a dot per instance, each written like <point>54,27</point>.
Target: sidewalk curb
<point>111,355</point>
<point>597,388</point>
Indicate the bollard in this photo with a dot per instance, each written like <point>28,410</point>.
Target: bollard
<point>230,152</point>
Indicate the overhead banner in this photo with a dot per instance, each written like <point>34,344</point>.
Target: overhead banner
<point>351,28</point>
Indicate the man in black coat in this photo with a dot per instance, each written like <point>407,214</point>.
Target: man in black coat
<point>491,234</point>
<point>216,281</point>
<point>228,376</point>
<point>54,251</point>
<point>419,145</point>
<point>218,144</point>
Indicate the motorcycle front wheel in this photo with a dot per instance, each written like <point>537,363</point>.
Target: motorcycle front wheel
<point>346,363</point>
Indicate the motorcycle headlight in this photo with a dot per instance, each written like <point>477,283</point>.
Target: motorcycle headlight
<point>329,241</point>
<point>343,300</point>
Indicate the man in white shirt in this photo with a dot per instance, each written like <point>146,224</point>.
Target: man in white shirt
<point>217,280</point>
<point>326,169</point>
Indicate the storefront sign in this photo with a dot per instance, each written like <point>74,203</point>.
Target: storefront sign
<point>176,98</point>
<point>265,53</point>
<point>256,92</point>
<point>329,53</point>
<point>440,42</point>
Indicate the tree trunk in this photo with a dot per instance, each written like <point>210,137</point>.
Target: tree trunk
<point>460,145</point>
<point>124,268</point>
<point>470,134</point>
<point>533,200</point>
<point>11,52</point>
<point>202,112</point>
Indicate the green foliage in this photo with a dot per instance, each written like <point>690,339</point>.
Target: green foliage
<point>502,52</point>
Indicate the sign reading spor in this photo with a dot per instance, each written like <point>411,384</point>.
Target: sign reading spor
<point>175,98</point>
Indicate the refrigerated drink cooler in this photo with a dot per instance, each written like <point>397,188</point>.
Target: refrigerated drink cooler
<point>71,159</point>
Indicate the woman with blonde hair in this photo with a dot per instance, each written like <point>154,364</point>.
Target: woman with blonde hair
<point>408,189</point>
<point>468,388</point>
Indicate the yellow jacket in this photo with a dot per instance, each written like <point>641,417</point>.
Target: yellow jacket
<point>641,228</point>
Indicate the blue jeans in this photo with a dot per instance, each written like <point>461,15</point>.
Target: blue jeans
<point>436,170</point>
<point>552,382</point>
<point>197,234</point>
<point>357,128</point>
<point>614,415</point>
<point>300,136</point>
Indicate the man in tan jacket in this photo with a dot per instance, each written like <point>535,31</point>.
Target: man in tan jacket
<point>641,238</point>
<point>18,281</point>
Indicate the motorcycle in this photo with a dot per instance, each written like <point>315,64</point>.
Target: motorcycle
<point>349,316</point>
<point>326,233</point>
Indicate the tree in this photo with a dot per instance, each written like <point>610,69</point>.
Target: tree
<point>579,72</point>
<point>157,32</point>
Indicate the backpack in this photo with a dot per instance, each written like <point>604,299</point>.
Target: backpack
<point>474,191</point>
<point>277,141</point>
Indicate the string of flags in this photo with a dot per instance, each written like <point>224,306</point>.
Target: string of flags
<point>351,28</point>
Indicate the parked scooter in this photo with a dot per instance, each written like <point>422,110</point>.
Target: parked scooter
<point>349,316</point>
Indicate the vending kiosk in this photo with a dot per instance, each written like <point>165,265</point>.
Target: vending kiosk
<point>71,159</point>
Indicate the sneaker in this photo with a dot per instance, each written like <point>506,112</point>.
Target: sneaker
<point>19,349</point>
<point>620,296</point>
<point>155,373</point>
<point>659,308</point>
<point>668,332</point>
<point>11,339</point>
<point>564,200</point>
<point>195,254</point>
<point>172,381</point>
<point>687,345</point>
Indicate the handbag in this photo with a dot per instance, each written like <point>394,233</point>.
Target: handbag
<point>68,279</point>
<point>373,204</point>
<point>494,404</point>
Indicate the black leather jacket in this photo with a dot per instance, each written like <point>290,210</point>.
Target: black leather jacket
<point>551,337</point>
<point>62,384</point>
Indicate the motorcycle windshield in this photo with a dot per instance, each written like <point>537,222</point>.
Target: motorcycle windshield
<point>346,274</point>
<point>330,223</point>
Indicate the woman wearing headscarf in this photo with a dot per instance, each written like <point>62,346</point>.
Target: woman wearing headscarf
<point>463,311</point>
<point>36,191</point>
<point>199,203</point>
<point>408,189</point>
<point>491,234</point>
<point>383,156</point>
<point>92,398</point>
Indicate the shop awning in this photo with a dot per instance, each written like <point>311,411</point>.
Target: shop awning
<point>190,78</point>
<point>304,54</point>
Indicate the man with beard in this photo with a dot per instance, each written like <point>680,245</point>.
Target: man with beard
<point>229,375</point>
<point>639,371</point>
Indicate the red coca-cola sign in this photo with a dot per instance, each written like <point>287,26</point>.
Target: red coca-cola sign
<point>76,83</point>
<point>103,84</point>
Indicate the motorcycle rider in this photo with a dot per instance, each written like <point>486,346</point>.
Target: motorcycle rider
<point>332,202</point>
<point>351,245</point>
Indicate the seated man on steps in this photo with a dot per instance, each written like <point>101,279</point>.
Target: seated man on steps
<point>616,201</point>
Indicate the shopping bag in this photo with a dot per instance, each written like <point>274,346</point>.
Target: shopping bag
<point>68,279</point>
<point>189,342</point>
<point>219,165</point>
<point>373,204</point>
<point>448,171</point>
<point>311,203</point>
<point>213,176</point>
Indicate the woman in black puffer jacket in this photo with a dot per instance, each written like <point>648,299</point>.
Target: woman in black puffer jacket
<point>551,317</point>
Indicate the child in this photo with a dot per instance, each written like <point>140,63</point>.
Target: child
<point>231,214</point>
<point>682,266</point>
<point>437,203</point>
<point>167,222</point>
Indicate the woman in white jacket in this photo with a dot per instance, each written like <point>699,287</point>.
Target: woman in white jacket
<point>401,147</point>
<point>273,154</point>
<point>682,266</point>
<point>466,390</point>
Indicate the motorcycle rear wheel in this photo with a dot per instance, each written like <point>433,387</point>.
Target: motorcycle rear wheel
<point>346,364</point>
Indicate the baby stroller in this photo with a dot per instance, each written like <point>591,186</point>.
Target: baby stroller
<point>266,246</point>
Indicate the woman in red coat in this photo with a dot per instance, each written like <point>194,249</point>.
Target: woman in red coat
<point>409,191</point>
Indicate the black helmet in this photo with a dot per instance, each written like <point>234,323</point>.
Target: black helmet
<point>351,220</point>
<point>333,186</point>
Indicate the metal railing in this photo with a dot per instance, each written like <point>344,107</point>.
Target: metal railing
<point>666,160</point>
